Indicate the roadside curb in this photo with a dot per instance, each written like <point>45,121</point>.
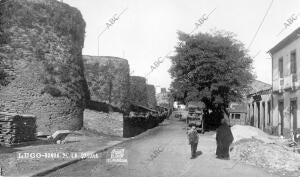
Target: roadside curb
<point>105,148</point>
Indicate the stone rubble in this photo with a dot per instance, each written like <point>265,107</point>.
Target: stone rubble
<point>254,147</point>
<point>15,129</point>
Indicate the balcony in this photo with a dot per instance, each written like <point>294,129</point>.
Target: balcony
<point>288,82</point>
<point>291,82</point>
<point>278,85</point>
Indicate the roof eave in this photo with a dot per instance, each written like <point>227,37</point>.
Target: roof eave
<point>288,39</point>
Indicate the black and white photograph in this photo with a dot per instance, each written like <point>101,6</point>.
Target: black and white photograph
<point>149,88</point>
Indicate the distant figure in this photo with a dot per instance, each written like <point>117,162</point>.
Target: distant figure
<point>180,116</point>
<point>193,140</point>
<point>224,138</point>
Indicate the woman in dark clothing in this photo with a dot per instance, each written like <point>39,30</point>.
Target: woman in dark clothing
<point>224,138</point>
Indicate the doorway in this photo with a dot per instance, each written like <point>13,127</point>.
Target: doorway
<point>294,113</point>
<point>280,111</point>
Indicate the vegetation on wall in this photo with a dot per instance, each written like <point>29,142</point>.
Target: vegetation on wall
<point>104,80</point>
<point>53,27</point>
<point>4,39</point>
<point>108,80</point>
<point>65,19</point>
<point>41,64</point>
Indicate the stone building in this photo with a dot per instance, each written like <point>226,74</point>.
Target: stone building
<point>259,106</point>
<point>163,98</point>
<point>285,84</point>
<point>237,113</point>
<point>108,79</point>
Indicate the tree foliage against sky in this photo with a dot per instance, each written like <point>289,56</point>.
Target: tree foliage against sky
<point>213,68</point>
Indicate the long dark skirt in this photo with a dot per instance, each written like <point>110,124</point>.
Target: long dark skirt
<point>222,151</point>
<point>224,138</point>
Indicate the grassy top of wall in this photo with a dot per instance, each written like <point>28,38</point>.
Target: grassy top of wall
<point>66,20</point>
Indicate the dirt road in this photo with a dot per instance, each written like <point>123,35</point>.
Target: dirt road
<point>161,152</point>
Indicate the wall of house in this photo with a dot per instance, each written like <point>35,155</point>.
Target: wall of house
<point>234,121</point>
<point>285,53</point>
<point>286,97</point>
<point>237,108</point>
<point>283,89</point>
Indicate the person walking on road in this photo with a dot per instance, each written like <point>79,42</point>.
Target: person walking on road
<point>224,139</point>
<point>193,138</point>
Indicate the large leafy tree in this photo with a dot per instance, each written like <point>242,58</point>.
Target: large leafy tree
<point>213,68</point>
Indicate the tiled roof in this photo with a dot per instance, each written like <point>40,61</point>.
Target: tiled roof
<point>257,86</point>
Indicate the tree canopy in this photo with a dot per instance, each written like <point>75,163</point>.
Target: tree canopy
<point>213,68</point>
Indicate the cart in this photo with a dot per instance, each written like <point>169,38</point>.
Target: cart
<point>196,118</point>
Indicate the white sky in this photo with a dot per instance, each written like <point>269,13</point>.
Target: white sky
<point>147,29</point>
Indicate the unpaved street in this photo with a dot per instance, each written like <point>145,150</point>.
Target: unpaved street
<point>163,152</point>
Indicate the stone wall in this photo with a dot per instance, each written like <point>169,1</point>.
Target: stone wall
<point>134,125</point>
<point>41,70</point>
<point>108,79</point>
<point>138,91</point>
<point>15,129</point>
<point>101,122</point>
<point>151,96</point>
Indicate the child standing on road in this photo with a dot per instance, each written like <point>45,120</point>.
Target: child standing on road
<point>193,138</point>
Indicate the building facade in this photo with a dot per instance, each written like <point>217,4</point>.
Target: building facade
<point>259,110</point>
<point>163,98</point>
<point>237,113</point>
<point>285,84</point>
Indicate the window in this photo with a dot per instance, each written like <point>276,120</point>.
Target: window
<point>280,66</point>
<point>293,62</point>
<point>237,116</point>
